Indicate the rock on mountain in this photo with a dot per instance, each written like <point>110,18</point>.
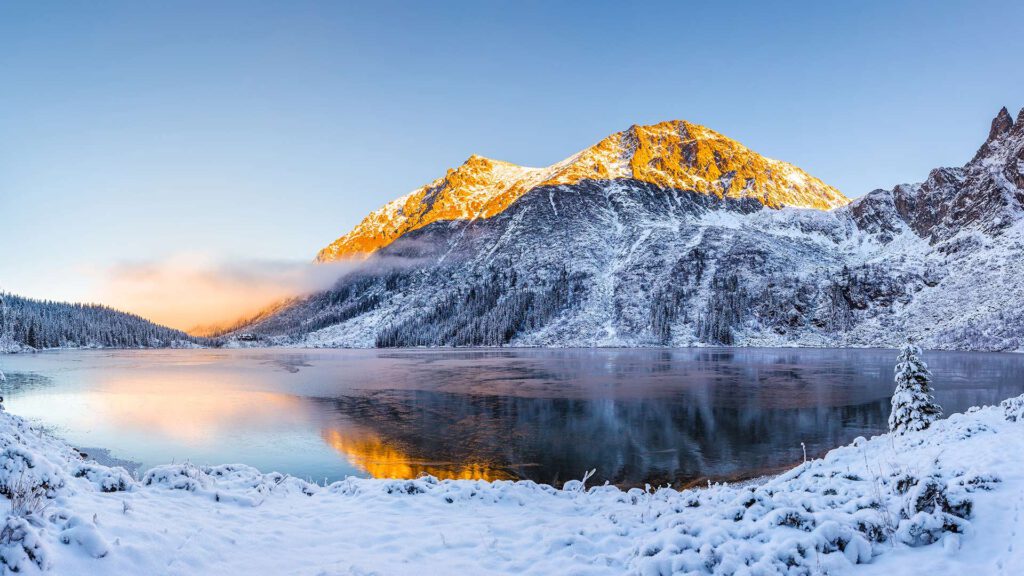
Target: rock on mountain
<point>673,234</point>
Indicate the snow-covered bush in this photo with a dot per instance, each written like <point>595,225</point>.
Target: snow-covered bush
<point>28,499</point>
<point>932,495</point>
<point>22,470</point>
<point>21,546</point>
<point>235,483</point>
<point>106,479</point>
<point>420,485</point>
<point>1013,409</point>
<point>243,478</point>
<point>79,531</point>
<point>926,528</point>
<point>176,477</point>
<point>913,406</point>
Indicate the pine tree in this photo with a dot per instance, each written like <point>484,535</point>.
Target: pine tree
<point>33,336</point>
<point>913,406</point>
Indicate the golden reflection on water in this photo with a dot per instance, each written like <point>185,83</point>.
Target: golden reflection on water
<point>381,459</point>
<point>188,411</point>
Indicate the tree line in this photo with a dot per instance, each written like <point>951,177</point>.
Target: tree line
<point>42,324</point>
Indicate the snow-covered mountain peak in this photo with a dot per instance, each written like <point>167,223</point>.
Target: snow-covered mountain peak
<point>479,188</point>
<point>644,239</point>
<point>673,155</point>
<point>682,155</point>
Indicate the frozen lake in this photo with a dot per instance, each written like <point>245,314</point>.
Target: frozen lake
<point>638,416</point>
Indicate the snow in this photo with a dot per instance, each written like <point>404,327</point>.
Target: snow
<point>946,500</point>
<point>937,261</point>
<point>482,187</point>
<point>913,406</point>
<point>628,246</point>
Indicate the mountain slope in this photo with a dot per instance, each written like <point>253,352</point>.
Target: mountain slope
<point>629,262</point>
<point>673,155</point>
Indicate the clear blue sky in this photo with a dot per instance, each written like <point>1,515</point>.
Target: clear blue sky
<point>134,131</point>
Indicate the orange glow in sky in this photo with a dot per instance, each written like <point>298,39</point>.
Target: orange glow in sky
<point>189,291</point>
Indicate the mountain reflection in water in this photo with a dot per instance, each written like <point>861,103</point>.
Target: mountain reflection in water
<point>382,458</point>
<point>629,441</point>
<point>653,416</point>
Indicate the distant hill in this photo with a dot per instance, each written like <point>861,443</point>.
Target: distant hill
<point>39,324</point>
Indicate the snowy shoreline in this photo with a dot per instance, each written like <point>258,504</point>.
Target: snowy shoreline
<point>945,500</point>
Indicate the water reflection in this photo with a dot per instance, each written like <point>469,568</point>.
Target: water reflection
<point>188,412</point>
<point>629,441</point>
<point>384,458</point>
<point>155,415</point>
<point>637,416</point>
<point>167,407</point>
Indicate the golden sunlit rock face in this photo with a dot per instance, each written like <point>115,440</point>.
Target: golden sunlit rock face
<point>673,155</point>
<point>383,460</point>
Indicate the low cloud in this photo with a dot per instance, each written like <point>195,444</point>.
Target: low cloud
<point>191,292</point>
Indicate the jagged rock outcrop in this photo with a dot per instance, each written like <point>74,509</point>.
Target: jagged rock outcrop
<point>659,237</point>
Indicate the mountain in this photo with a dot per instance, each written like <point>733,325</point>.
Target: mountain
<point>673,234</point>
<point>27,324</point>
<point>673,155</point>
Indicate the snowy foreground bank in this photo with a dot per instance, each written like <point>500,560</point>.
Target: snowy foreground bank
<point>949,500</point>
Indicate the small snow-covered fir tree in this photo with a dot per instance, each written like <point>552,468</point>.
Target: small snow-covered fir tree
<point>913,406</point>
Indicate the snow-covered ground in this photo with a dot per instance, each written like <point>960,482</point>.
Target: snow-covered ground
<point>948,500</point>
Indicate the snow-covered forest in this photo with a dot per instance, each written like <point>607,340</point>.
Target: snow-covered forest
<point>39,324</point>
